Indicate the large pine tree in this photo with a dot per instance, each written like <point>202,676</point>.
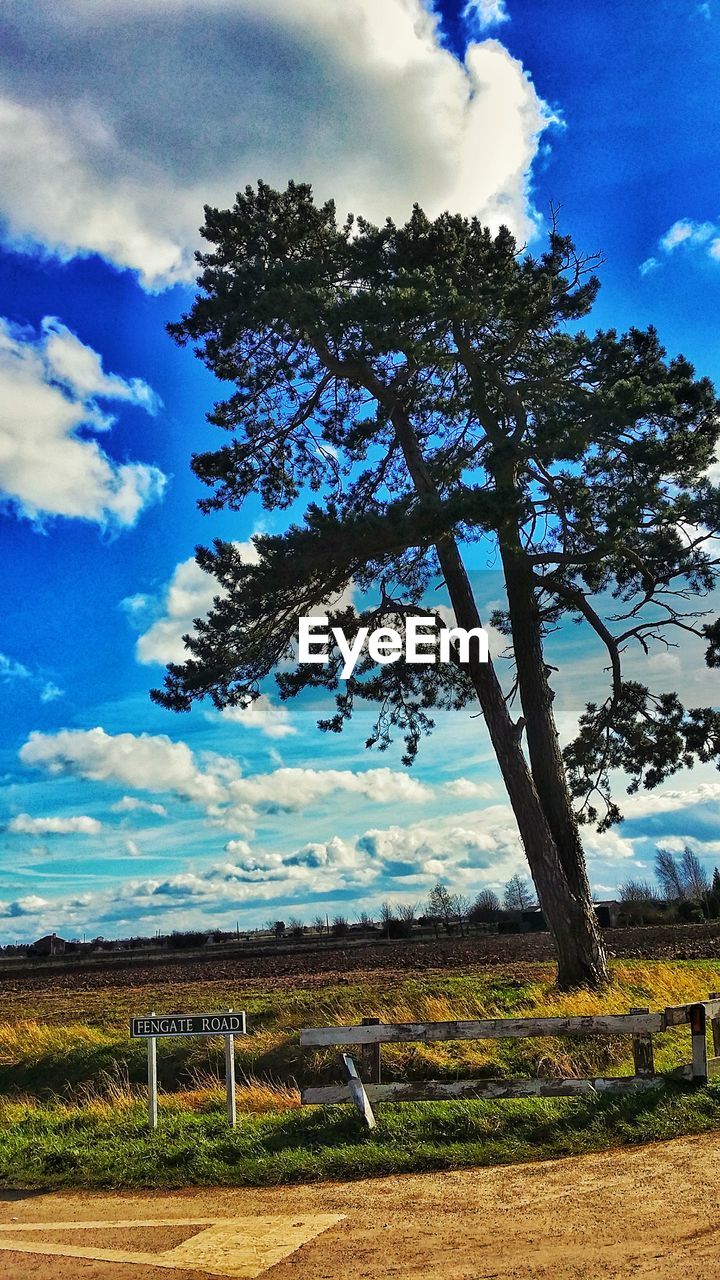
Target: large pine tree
<point>428,383</point>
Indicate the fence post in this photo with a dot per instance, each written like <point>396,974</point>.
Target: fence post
<point>230,1079</point>
<point>642,1046</point>
<point>699,1043</point>
<point>370,1056</point>
<point>715,1024</point>
<point>152,1080</point>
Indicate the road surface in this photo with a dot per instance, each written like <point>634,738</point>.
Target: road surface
<point>651,1211</point>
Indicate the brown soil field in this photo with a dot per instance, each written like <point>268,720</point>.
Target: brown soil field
<point>338,963</point>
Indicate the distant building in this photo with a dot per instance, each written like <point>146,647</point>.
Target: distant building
<point>50,945</point>
<point>608,913</point>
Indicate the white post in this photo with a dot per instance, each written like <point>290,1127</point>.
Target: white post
<point>230,1079</point>
<point>152,1080</point>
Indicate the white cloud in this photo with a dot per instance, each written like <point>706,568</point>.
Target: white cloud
<point>133,849</point>
<point>25,825</point>
<point>48,464</point>
<point>295,789</point>
<point>669,801</point>
<point>272,719</point>
<point>117,122</point>
<point>155,763</point>
<point>482,14</point>
<point>133,804</point>
<point>50,692</point>
<point>143,761</point>
<point>188,595</point>
<point>12,670</point>
<point>464,788</point>
<point>685,232</point>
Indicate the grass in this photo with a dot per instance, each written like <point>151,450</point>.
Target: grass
<point>55,1145</point>
<point>72,1095</point>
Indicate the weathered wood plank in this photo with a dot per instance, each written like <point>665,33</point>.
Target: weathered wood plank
<point>642,1046</point>
<point>444,1090</point>
<point>357,1092</point>
<point>713,1066</point>
<point>676,1015</point>
<point>370,1054</point>
<point>483,1029</point>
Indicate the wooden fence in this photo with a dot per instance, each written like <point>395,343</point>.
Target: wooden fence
<point>365,1087</point>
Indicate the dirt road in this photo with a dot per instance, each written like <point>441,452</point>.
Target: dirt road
<point>645,1212</point>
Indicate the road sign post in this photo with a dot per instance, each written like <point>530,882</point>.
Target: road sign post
<point>230,1079</point>
<point>152,1081</point>
<point>228,1025</point>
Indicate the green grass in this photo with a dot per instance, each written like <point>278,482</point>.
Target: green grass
<point>59,1146</point>
<point>72,1084</point>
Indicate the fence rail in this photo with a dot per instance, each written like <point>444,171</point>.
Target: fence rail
<point>641,1024</point>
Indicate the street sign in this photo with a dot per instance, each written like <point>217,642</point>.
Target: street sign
<point>188,1024</point>
<point>228,1024</point>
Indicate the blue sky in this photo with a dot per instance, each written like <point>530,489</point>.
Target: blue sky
<point>117,123</point>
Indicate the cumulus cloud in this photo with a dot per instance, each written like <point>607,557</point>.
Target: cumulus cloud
<point>670,800</point>
<point>269,717</point>
<point>143,761</point>
<point>117,122</point>
<point>30,905</point>
<point>686,233</point>
<point>82,825</point>
<point>133,804</point>
<point>49,463</point>
<point>155,763</point>
<point>295,789</point>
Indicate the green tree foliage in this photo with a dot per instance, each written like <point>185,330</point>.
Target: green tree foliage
<point>430,385</point>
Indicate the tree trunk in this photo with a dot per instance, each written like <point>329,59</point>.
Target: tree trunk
<point>567,909</point>
<point>536,697</point>
<point>569,914</point>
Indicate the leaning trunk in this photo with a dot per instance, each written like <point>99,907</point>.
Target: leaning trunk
<point>569,913</point>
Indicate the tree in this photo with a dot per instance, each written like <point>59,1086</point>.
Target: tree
<point>669,876</point>
<point>683,881</point>
<point>442,906</point>
<point>485,908</point>
<point>429,384</point>
<point>518,895</point>
<point>319,923</point>
<point>387,917</point>
<point>694,875</point>
<point>340,926</point>
<point>638,892</point>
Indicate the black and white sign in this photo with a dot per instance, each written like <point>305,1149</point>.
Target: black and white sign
<point>188,1024</point>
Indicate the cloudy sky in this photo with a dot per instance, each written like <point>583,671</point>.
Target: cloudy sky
<point>117,122</point>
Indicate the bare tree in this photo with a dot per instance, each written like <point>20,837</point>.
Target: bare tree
<point>387,916</point>
<point>406,912</point>
<point>669,876</point>
<point>319,922</point>
<point>638,891</point>
<point>462,909</point>
<point>441,905</point>
<point>694,876</point>
<point>518,894</point>
<point>486,907</point>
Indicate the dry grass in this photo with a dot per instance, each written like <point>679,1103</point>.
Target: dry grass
<point>96,1065</point>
